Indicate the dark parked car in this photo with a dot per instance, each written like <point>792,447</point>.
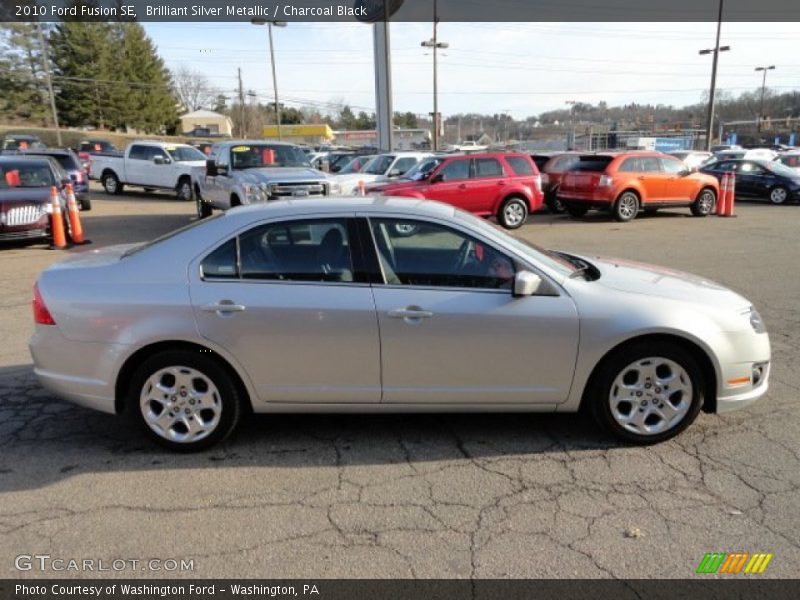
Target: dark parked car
<point>21,141</point>
<point>69,161</point>
<point>552,171</point>
<point>759,179</point>
<point>25,205</point>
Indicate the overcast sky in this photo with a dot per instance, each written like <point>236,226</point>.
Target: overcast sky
<point>520,68</point>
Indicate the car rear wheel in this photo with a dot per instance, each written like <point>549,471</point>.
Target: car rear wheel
<point>626,207</point>
<point>778,195</point>
<point>85,203</point>
<point>704,203</point>
<point>647,392</point>
<point>183,400</point>
<point>111,184</point>
<point>513,213</point>
<point>576,210</point>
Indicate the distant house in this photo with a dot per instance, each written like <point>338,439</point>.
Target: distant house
<point>206,123</point>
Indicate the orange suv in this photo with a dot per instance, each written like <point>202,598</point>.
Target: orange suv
<point>626,182</point>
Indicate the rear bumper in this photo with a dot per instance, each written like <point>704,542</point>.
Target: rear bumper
<point>596,198</point>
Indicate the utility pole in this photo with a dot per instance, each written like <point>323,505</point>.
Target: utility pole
<point>435,44</point>
<point>49,81</point>
<point>716,50</point>
<point>269,25</point>
<point>763,89</point>
<point>242,128</point>
<point>571,136</point>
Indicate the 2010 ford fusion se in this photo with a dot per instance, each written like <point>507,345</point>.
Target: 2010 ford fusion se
<point>385,305</point>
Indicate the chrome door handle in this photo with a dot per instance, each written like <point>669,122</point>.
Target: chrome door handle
<point>410,313</point>
<point>224,306</point>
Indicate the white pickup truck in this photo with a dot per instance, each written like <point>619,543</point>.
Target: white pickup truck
<point>149,165</point>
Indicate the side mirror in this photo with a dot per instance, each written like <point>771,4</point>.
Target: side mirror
<point>439,177</point>
<point>394,173</point>
<point>211,168</point>
<point>526,283</point>
<point>159,160</point>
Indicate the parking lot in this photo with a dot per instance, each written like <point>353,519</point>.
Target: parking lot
<point>498,496</point>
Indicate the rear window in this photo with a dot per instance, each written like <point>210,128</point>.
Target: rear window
<point>791,161</point>
<point>519,165</point>
<point>67,162</point>
<point>592,163</point>
<point>540,160</point>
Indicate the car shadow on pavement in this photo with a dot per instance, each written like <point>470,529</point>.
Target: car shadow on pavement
<point>44,439</point>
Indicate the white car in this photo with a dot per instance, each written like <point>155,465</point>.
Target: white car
<point>692,158</point>
<point>381,168</point>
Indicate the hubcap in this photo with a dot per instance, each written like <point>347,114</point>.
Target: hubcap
<point>627,207</point>
<point>180,404</point>
<point>651,396</point>
<point>111,184</point>
<point>186,191</point>
<point>778,195</point>
<point>514,213</point>
<point>706,202</point>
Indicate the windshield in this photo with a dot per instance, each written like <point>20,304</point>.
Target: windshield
<point>267,155</point>
<point>780,169</point>
<point>536,254</point>
<point>20,175</point>
<point>379,165</point>
<point>185,153</point>
<point>422,170</point>
<point>356,165</point>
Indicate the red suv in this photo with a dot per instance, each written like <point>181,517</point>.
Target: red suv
<point>626,182</point>
<point>506,185</point>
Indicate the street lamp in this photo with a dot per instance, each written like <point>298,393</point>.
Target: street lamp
<point>715,50</point>
<point>763,88</point>
<point>435,44</point>
<point>269,25</point>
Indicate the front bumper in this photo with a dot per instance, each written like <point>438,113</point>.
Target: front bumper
<point>736,397</point>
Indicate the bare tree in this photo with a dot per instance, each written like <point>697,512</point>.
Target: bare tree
<point>193,89</point>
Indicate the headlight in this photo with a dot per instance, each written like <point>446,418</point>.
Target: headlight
<point>756,322</point>
<point>254,193</point>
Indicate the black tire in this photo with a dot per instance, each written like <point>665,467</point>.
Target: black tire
<point>705,203</point>
<point>553,203</point>
<point>620,364</point>
<point>513,213</point>
<point>112,184</point>
<point>85,203</point>
<point>184,190</point>
<point>626,207</point>
<point>204,209</point>
<point>235,201</point>
<point>575,211</point>
<point>778,195</point>
<point>227,398</point>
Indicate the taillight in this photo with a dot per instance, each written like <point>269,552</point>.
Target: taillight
<point>605,181</point>
<point>79,177</point>
<point>41,315</point>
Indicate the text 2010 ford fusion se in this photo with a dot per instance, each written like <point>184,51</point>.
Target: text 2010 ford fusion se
<point>385,305</point>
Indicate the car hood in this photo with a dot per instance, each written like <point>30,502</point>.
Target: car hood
<point>650,280</point>
<point>20,195</point>
<point>282,174</point>
<point>390,187</point>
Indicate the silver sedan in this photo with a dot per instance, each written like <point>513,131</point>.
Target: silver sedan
<point>385,305</point>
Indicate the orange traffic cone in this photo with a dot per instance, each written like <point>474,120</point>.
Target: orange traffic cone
<point>76,229</point>
<point>731,196</point>
<point>57,221</point>
<point>723,194</point>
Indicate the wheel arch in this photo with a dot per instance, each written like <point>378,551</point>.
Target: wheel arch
<point>632,189</point>
<point>108,171</point>
<point>506,195</point>
<point>700,354</point>
<point>135,360</point>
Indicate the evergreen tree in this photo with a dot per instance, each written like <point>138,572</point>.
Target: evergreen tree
<point>24,94</point>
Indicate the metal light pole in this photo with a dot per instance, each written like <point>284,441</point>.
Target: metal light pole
<point>763,88</point>
<point>435,44</point>
<point>716,50</point>
<point>49,81</point>
<point>269,25</point>
<point>571,138</point>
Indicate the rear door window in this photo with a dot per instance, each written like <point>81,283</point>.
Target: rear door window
<point>488,167</point>
<point>651,164</point>
<point>592,163</point>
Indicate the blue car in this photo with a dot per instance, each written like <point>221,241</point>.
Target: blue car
<point>759,179</point>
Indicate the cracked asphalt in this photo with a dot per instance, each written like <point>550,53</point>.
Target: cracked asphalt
<point>483,496</point>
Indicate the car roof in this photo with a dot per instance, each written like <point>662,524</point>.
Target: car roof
<point>17,158</point>
<point>344,204</point>
<point>45,152</point>
<point>254,143</point>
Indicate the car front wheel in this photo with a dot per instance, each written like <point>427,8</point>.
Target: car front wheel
<point>778,195</point>
<point>647,392</point>
<point>183,400</point>
<point>704,203</point>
